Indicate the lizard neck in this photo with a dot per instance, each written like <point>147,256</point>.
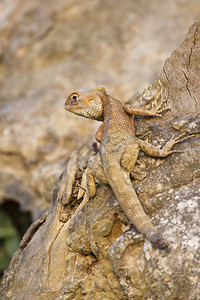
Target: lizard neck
<point>116,120</point>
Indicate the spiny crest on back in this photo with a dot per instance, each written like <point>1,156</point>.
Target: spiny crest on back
<point>101,89</point>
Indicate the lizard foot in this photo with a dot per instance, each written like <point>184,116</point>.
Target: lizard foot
<point>179,138</point>
<point>173,141</point>
<point>160,109</point>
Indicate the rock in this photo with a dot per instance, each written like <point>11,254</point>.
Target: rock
<point>48,50</point>
<point>85,251</point>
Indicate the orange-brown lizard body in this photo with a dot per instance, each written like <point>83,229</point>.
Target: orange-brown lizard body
<point>119,151</point>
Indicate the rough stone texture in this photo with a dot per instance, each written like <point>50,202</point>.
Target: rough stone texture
<point>50,48</point>
<point>86,251</point>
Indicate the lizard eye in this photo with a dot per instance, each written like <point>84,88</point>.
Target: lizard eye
<point>74,98</point>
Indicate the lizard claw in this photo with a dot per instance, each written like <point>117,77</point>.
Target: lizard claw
<point>180,138</point>
<point>175,151</point>
<point>159,110</point>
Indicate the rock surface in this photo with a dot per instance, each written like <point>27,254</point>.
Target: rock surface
<point>85,251</point>
<point>48,49</point>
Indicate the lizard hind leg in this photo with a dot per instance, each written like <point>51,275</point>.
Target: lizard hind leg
<point>130,156</point>
<point>94,170</point>
<point>95,167</point>
<point>90,185</point>
<point>166,150</point>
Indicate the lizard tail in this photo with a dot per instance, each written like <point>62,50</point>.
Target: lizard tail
<point>132,207</point>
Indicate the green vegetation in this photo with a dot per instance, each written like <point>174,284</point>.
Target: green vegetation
<point>9,240</point>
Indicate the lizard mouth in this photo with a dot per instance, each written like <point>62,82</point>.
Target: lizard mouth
<point>67,107</point>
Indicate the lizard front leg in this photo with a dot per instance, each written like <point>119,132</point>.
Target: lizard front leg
<point>139,111</point>
<point>99,133</point>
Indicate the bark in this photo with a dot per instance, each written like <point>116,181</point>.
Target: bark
<point>81,251</point>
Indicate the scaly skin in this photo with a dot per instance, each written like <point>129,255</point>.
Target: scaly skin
<point>119,150</point>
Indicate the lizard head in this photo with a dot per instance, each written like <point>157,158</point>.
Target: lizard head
<point>87,103</point>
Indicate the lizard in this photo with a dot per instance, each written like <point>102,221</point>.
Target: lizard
<point>119,148</point>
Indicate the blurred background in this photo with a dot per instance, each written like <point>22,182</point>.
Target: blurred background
<point>49,49</point>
